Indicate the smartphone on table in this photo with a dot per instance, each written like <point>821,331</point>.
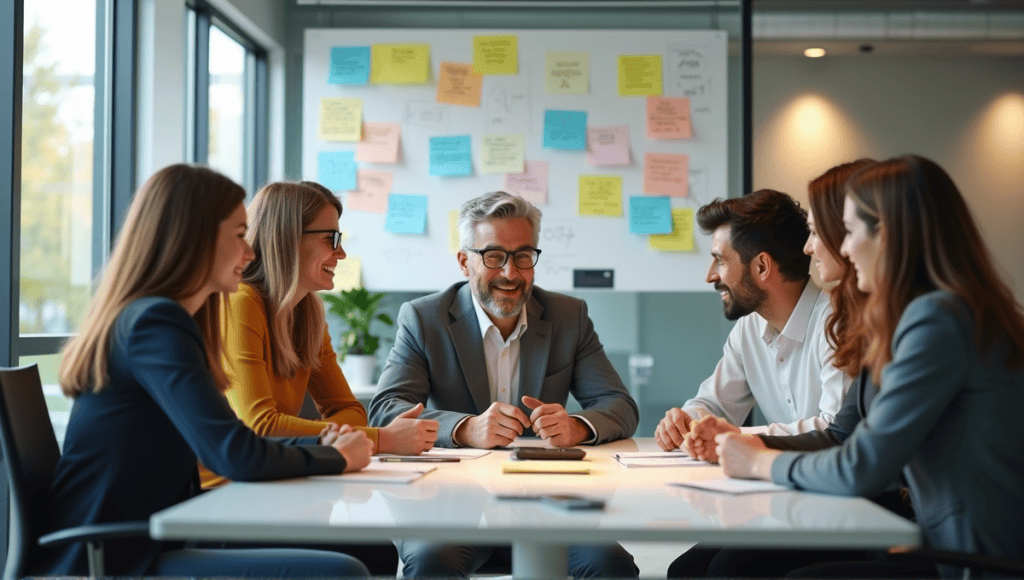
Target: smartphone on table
<point>563,453</point>
<point>566,501</point>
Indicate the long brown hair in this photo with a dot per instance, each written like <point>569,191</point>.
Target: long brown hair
<point>931,242</point>
<point>165,248</point>
<point>278,214</point>
<point>843,327</point>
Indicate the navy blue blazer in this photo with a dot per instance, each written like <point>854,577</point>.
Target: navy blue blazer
<point>131,449</point>
<point>947,415</point>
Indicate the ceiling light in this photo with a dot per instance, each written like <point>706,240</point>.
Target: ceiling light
<point>814,52</point>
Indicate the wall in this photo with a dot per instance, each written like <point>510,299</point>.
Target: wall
<point>965,113</point>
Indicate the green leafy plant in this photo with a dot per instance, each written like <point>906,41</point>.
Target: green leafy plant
<point>357,308</point>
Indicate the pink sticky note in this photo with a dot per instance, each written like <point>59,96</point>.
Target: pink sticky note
<point>371,193</point>
<point>608,145</point>
<point>379,143</point>
<point>666,174</point>
<point>668,118</point>
<point>531,185</point>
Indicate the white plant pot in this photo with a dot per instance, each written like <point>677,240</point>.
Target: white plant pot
<point>358,369</point>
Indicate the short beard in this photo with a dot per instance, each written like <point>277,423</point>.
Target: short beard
<point>492,306</point>
<point>745,298</point>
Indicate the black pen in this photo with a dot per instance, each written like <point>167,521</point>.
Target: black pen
<point>420,459</point>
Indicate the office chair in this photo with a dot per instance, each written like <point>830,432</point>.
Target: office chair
<point>30,454</point>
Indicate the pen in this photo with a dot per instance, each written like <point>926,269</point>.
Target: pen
<point>420,459</point>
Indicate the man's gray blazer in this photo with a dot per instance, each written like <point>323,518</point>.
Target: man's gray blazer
<point>438,360</point>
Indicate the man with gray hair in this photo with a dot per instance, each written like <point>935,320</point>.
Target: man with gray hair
<point>495,358</point>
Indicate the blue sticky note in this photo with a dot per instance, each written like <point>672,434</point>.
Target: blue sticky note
<point>350,65</point>
<point>650,215</point>
<point>407,214</point>
<point>451,155</point>
<point>337,169</point>
<point>565,130</point>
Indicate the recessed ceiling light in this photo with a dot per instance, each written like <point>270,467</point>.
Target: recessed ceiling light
<point>814,52</point>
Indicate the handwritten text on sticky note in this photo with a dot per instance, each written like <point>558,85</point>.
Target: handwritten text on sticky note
<point>340,119</point>
<point>336,170</point>
<point>666,174</point>
<point>600,195</point>
<point>681,238</point>
<point>668,118</point>
<point>532,184</point>
<point>608,145</point>
<point>379,143</point>
<point>496,55</point>
<point>350,65</point>
<point>400,64</point>
<point>407,214</point>
<point>650,215</point>
<point>640,75</point>
<point>565,130</point>
<point>451,155</point>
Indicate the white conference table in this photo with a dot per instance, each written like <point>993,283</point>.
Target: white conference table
<point>456,504</point>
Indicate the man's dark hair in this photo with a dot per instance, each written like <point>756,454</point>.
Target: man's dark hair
<point>764,221</point>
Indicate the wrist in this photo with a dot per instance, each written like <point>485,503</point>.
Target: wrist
<point>383,442</point>
<point>763,464</point>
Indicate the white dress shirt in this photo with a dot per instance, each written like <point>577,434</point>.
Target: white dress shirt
<point>501,357</point>
<point>789,374</point>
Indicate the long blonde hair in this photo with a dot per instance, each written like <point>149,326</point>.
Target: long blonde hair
<point>277,215</point>
<point>165,248</point>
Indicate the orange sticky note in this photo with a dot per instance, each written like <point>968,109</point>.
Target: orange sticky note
<point>371,193</point>
<point>459,85</point>
<point>379,143</point>
<point>668,118</point>
<point>666,174</point>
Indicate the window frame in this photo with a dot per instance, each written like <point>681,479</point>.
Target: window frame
<point>256,111</point>
<point>114,156</point>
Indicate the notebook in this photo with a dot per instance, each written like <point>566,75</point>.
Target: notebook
<point>734,486</point>
<point>378,472</point>
<point>546,466</point>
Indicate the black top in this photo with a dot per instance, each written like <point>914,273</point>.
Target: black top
<point>131,449</point>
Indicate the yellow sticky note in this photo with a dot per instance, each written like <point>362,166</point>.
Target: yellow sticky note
<point>567,72</point>
<point>457,84</point>
<point>502,153</point>
<point>681,238</point>
<point>399,64</point>
<point>496,55</point>
<point>341,119</point>
<point>453,232</point>
<point>600,195</point>
<point>348,274</point>
<point>640,75</point>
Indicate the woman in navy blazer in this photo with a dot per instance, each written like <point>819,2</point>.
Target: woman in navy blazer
<point>945,342</point>
<point>147,381</point>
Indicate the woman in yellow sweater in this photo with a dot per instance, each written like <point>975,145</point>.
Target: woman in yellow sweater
<point>276,342</point>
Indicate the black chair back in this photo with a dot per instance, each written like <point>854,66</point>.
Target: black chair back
<point>30,454</point>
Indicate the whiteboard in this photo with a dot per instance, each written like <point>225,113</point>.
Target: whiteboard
<point>694,65</point>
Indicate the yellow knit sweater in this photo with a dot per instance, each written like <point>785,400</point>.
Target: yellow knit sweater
<point>267,402</point>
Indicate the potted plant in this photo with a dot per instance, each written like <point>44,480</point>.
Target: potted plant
<point>358,346</point>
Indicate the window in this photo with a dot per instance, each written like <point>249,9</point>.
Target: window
<point>57,130</point>
<point>67,69</point>
<point>228,98</point>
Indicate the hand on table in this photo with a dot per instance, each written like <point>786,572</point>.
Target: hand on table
<point>330,433</point>
<point>498,426</point>
<point>672,429</point>
<point>552,424</point>
<point>700,440</point>
<point>353,445</point>
<point>745,456</point>
<point>407,435</point>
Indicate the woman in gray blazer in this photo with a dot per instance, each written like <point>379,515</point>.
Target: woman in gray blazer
<point>946,345</point>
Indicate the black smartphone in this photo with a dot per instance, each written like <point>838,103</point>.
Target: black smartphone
<point>547,453</point>
<point>572,502</point>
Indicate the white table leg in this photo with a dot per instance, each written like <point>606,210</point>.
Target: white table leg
<point>536,561</point>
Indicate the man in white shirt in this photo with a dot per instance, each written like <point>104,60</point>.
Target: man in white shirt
<point>777,354</point>
<point>497,357</point>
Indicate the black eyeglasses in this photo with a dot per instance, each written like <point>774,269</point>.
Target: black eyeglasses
<point>335,242</point>
<point>496,259</point>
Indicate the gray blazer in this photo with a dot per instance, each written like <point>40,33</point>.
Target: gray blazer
<point>438,360</point>
<point>948,416</point>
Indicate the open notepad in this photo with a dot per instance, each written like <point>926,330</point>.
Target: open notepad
<point>658,459</point>
<point>378,472</point>
<point>730,485</point>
